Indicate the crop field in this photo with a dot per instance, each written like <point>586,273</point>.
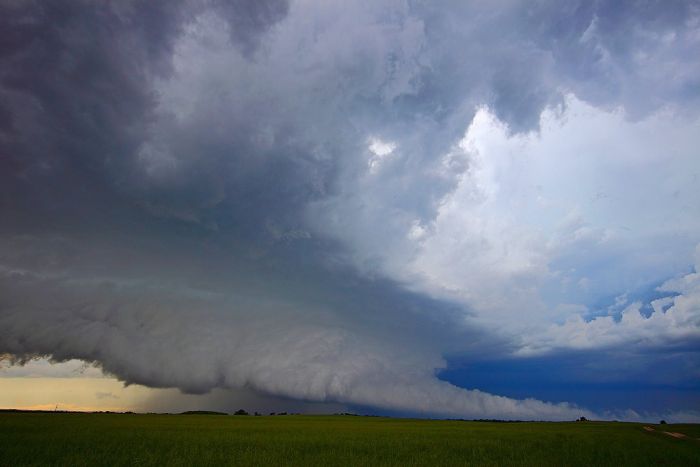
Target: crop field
<point>74,439</point>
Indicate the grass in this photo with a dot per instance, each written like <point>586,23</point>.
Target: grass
<point>131,439</point>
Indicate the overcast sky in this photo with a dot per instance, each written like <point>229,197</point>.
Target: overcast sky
<point>445,209</point>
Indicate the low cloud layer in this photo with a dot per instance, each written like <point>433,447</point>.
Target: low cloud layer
<point>325,201</point>
<point>198,341</point>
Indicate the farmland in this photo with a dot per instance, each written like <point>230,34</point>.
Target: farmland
<point>134,439</point>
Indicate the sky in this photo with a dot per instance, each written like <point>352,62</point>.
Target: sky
<point>412,208</point>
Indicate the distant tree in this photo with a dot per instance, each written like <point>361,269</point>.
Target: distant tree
<point>272,413</point>
<point>240,412</point>
<point>582,419</point>
<point>662,422</point>
<point>282,413</point>
<point>257,414</point>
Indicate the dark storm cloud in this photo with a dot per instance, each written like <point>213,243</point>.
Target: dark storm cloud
<point>80,81</point>
<point>612,53</point>
<point>250,19</point>
<point>184,184</point>
<point>75,82</point>
<point>78,97</point>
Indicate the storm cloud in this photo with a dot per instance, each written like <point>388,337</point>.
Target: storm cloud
<point>329,201</point>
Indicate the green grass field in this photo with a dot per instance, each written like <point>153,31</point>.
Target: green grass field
<point>73,439</point>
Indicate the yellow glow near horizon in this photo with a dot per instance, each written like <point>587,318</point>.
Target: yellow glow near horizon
<point>79,394</point>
